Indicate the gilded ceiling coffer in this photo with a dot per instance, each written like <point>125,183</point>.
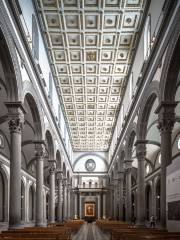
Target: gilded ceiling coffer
<point>91,56</point>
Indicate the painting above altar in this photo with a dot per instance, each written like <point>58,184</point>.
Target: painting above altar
<point>89,209</point>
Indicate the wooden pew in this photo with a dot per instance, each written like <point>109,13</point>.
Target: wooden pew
<point>123,231</point>
<point>46,233</point>
<point>54,232</point>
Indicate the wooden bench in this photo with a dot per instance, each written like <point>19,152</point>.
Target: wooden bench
<point>123,231</point>
<point>56,231</point>
<point>32,232</point>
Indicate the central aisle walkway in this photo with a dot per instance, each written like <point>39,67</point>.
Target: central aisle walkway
<point>89,231</point>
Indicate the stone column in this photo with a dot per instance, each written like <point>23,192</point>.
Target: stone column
<point>16,121</point>
<point>75,204</point>
<point>99,206</point>
<point>59,182</point>
<point>39,153</point>
<point>121,197</point>
<point>104,205</point>
<point>44,209</point>
<point>141,153</point>
<point>115,198</point>
<point>128,167</point>
<point>52,169</point>
<point>80,206</point>
<point>166,117</point>
<point>153,199</point>
<point>111,195</point>
<point>64,198</point>
<point>68,200</point>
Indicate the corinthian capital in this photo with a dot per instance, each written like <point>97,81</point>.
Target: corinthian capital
<point>39,148</point>
<point>16,125</point>
<point>166,116</point>
<point>59,175</point>
<point>16,114</point>
<point>140,149</point>
<point>121,175</point>
<point>128,164</point>
<point>52,166</point>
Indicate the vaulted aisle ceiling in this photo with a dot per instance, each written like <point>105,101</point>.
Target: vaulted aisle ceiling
<point>90,44</point>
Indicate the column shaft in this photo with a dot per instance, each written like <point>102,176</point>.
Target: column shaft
<point>128,195</point>
<point>15,180</point>
<point>166,117</point>
<point>68,203</point>
<point>153,199</point>
<point>75,206</point>
<point>111,201</point>
<point>64,202</point>
<point>16,116</point>
<point>141,152</point>
<point>104,205</point>
<point>39,191</point>
<point>80,206</point>
<point>52,196</point>
<point>39,183</point>
<point>99,206</point>
<point>115,199</point>
<point>166,155</point>
<point>59,200</point>
<point>121,199</point>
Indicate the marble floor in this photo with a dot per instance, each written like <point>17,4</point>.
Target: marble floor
<point>89,231</point>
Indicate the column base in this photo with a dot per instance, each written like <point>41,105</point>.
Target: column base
<point>16,226</point>
<point>140,225</point>
<point>163,226</point>
<point>40,225</point>
<point>59,220</point>
<point>51,222</point>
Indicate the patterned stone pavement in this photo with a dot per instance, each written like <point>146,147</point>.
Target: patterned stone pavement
<point>89,231</point>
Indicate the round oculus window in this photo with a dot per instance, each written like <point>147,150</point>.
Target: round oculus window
<point>90,165</point>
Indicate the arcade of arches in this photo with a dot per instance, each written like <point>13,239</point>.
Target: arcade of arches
<point>93,136</point>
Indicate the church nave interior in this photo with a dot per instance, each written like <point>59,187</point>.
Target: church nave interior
<point>89,119</point>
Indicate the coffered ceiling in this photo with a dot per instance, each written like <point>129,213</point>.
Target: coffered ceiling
<point>90,44</point>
